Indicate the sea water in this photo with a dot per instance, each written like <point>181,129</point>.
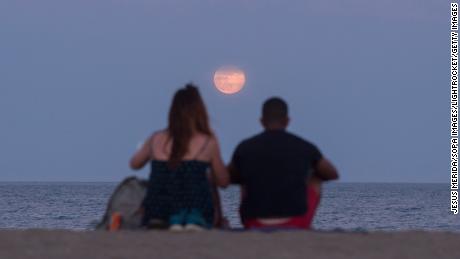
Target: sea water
<point>344,206</point>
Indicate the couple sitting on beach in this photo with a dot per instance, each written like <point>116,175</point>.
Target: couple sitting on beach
<point>280,174</point>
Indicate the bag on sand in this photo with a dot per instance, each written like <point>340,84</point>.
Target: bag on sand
<point>123,208</point>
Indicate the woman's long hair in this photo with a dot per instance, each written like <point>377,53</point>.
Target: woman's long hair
<point>187,115</point>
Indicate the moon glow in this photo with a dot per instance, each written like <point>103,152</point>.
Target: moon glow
<point>229,80</point>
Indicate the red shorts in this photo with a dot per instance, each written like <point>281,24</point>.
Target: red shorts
<point>303,221</point>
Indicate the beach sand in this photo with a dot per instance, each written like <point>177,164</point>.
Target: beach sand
<point>50,244</point>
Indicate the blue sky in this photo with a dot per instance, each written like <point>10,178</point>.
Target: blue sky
<point>83,82</point>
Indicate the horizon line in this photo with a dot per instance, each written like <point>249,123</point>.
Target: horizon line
<point>78,181</point>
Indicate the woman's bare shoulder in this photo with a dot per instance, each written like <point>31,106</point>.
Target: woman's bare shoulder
<point>213,142</point>
<point>163,133</point>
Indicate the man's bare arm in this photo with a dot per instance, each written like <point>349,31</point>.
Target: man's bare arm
<point>325,170</point>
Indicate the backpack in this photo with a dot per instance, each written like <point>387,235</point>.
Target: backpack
<point>124,205</point>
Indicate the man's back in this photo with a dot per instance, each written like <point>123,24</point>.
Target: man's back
<point>273,168</point>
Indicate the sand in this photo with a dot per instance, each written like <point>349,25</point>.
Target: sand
<point>50,244</point>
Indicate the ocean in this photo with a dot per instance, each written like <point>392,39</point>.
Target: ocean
<point>344,206</point>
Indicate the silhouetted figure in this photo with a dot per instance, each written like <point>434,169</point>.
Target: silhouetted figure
<point>280,174</point>
<point>180,194</point>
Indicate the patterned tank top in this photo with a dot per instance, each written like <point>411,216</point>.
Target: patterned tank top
<point>186,187</point>
<point>171,191</point>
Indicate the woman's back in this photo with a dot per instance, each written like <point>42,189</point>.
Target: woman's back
<point>199,147</point>
<point>184,189</point>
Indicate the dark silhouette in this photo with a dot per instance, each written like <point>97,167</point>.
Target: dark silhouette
<point>280,173</point>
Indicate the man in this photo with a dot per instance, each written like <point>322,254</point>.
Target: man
<point>280,174</point>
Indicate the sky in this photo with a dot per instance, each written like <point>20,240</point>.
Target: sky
<point>83,82</point>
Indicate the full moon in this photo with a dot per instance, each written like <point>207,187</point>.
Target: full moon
<point>229,79</point>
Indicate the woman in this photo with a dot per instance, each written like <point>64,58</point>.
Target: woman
<point>180,192</point>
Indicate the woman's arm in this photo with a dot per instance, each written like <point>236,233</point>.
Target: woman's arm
<point>142,156</point>
<point>217,165</point>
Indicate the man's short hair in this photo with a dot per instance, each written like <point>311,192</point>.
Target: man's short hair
<point>274,110</point>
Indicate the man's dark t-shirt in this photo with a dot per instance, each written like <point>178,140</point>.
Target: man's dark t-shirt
<point>273,168</point>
